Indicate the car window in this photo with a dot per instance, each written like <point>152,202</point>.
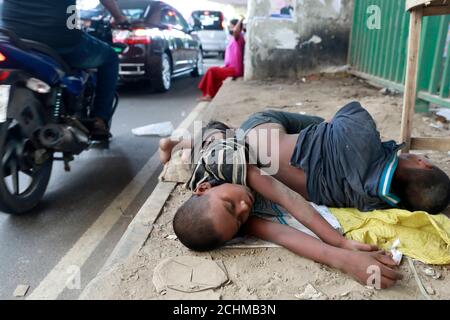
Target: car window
<point>183,23</point>
<point>134,14</point>
<point>173,19</point>
<point>134,10</point>
<point>207,20</point>
<point>168,18</point>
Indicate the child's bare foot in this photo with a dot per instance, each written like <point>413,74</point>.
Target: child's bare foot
<point>186,156</point>
<point>205,99</point>
<point>166,146</point>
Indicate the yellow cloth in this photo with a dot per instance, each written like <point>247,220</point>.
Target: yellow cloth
<point>422,236</point>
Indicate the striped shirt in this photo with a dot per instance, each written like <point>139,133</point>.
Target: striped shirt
<point>223,161</point>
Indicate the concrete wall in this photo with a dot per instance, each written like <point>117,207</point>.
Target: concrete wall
<point>316,37</point>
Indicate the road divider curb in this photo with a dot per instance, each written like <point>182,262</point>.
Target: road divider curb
<point>140,228</point>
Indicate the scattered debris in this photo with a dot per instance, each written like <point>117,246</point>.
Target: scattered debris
<point>396,255</point>
<point>162,129</point>
<point>438,125</point>
<point>418,281</point>
<point>278,107</point>
<point>189,274</point>
<point>171,237</point>
<point>336,70</point>
<point>368,293</point>
<point>311,293</point>
<point>314,40</point>
<point>444,113</point>
<point>370,288</point>
<point>430,272</point>
<point>313,77</point>
<point>441,119</point>
<point>21,290</point>
<point>430,290</point>
<point>389,92</point>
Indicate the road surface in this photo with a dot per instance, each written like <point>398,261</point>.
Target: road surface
<point>59,247</point>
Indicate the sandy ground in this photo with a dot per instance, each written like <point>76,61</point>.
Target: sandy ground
<point>275,273</point>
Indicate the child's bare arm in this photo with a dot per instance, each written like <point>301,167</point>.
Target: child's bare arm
<point>275,191</point>
<point>357,264</point>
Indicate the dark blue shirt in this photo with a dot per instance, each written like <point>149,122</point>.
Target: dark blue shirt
<point>46,21</point>
<point>346,163</point>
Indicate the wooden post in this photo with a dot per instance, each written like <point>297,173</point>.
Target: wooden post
<point>409,101</point>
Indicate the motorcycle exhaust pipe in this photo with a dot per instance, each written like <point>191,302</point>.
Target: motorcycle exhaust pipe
<point>64,138</point>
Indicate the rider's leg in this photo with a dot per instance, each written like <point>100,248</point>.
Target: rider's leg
<point>93,53</point>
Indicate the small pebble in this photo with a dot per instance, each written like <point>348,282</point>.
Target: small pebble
<point>21,290</point>
<point>311,293</point>
<point>432,273</point>
<point>171,237</point>
<point>430,290</point>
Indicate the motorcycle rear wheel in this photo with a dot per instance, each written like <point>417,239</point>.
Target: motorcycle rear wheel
<point>16,165</point>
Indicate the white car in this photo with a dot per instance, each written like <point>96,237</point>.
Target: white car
<point>212,29</point>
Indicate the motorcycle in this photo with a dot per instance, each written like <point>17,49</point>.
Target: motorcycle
<point>44,115</point>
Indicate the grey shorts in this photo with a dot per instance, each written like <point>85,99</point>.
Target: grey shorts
<point>293,123</point>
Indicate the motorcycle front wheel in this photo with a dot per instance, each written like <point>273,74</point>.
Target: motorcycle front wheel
<point>22,181</point>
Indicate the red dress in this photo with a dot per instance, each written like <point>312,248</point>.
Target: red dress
<point>234,67</point>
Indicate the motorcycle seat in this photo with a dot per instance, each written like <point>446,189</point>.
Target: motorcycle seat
<point>42,48</point>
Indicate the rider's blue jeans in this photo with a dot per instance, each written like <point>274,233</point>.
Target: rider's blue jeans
<point>92,53</point>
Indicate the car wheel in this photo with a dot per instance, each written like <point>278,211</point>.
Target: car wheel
<point>162,79</point>
<point>199,66</point>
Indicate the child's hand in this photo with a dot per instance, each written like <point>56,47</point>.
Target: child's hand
<point>375,269</point>
<point>353,245</point>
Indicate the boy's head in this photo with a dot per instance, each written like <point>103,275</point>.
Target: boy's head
<point>215,130</point>
<point>212,216</point>
<point>421,185</point>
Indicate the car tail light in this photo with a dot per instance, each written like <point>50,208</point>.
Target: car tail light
<point>137,36</point>
<point>2,57</point>
<point>4,75</point>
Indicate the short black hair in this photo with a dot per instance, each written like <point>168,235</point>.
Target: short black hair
<point>216,125</point>
<point>425,190</point>
<point>194,226</point>
<point>234,22</point>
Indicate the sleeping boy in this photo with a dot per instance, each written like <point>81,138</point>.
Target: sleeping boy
<point>340,163</point>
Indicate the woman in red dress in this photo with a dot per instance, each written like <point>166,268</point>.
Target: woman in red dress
<point>234,64</point>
